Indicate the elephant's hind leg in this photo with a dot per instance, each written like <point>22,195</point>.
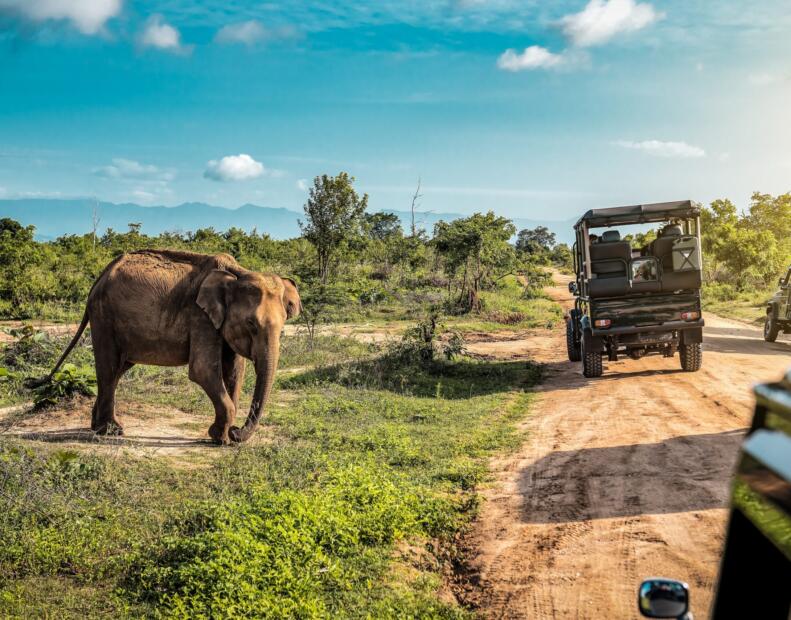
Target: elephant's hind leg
<point>109,370</point>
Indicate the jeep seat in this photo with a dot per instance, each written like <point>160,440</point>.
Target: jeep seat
<point>609,264</point>
<point>670,239</point>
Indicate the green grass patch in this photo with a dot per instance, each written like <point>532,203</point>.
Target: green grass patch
<point>747,305</point>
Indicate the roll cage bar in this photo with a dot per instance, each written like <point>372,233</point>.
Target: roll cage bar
<point>638,214</point>
<point>682,210</point>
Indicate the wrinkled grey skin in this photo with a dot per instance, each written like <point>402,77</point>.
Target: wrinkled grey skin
<point>169,308</point>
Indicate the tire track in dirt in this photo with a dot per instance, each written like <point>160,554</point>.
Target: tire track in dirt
<point>621,477</point>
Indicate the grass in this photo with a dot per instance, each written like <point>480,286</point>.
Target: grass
<point>349,512</point>
<point>748,305</point>
<point>511,306</point>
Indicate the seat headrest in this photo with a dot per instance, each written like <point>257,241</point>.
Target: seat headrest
<point>608,236</point>
<point>671,231</point>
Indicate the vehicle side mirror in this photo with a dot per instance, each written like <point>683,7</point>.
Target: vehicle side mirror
<point>663,598</point>
<point>572,287</point>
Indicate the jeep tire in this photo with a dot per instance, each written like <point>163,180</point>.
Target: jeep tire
<point>591,362</point>
<point>572,345</point>
<point>691,356</point>
<point>771,328</point>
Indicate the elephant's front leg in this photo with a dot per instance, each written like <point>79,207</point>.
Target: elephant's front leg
<point>233,366</point>
<point>207,372</point>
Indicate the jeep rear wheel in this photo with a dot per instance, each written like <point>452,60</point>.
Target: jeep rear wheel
<point>691,356</point>
<point>591,362</point>
<point>572,346</point>
<point>771,328</point>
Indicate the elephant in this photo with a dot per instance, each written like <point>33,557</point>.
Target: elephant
<point>171,308</point>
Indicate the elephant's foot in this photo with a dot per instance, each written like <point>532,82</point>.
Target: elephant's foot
<point>219,434</point>
<point>111,429</point>
<point>235,434</point>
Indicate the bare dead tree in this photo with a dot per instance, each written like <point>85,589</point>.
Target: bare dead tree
<point>95,219</point>
<point>415,198</point>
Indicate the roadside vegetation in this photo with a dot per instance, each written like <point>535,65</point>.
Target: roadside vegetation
<point>745,254</point>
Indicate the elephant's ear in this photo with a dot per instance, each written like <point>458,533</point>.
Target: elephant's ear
<point>212,295</point>
<point>291,300</point>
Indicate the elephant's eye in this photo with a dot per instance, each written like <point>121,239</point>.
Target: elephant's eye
<point>252,325</point>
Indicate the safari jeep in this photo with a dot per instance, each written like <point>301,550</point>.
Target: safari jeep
<point>636,301</point>
<point>778,310</point>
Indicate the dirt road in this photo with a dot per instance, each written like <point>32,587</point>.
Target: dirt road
<point>621,477</point>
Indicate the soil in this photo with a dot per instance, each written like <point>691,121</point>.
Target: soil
<point>621,477</point>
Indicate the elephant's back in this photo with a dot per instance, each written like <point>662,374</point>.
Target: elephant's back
<point>169,276</point>
<point>147,299</point>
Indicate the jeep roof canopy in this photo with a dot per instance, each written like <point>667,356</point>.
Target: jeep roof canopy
<point>638,214</point>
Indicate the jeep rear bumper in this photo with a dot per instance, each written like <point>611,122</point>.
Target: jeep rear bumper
<point>669,326</point>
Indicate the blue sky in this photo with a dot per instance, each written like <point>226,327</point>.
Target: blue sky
<point>597,103</point>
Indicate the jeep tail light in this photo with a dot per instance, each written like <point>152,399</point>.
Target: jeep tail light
<point>602,322</point>
<point>690,316</point>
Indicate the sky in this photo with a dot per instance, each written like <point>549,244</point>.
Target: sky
<point>531,109</point>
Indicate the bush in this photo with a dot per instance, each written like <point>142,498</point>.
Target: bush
<point>31,349</point>
<point>285,553</point>
<point>66,383</point>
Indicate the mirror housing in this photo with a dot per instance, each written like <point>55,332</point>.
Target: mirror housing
<point>572,287</point>
<point>663,598</point>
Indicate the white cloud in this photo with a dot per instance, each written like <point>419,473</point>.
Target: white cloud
<point>161,35</point>
<point>248,33</point>
<point>302,185</point>
<point>658,148</point>
<point>129,169</point>
<point>88,16</point>
<point>143,196</point>
<point>234,168</point>
<point>2,191</point>
<point>601,20</point>
<point>534,57</point>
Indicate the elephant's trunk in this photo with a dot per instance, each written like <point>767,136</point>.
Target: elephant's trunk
<point>265,368</point>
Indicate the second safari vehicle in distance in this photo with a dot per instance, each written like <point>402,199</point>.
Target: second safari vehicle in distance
<point>635,301</point>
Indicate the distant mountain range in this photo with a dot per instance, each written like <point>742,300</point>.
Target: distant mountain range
<point>55,217</point>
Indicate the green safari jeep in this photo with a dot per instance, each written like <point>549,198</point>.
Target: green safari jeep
<point>636,301</point>
<point>778,310</point>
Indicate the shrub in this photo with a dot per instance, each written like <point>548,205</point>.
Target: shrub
<point>66,383</point>
<point>282,553</point>
<point>32,348</point>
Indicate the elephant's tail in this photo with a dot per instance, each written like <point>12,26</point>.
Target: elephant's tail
<point>33,383</point>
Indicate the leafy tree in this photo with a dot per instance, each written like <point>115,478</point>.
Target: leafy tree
<point>539,240</point>
<point>753,256</point>
<point>333,217</point>
<point>382,226</point>
<point>477,252</point>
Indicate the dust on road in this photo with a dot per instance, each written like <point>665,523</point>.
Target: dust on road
<point>621,477</point>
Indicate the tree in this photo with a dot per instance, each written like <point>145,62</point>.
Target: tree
<point>476,250</point>
<point>333,217</point>
<point>382,226</point>
<point>719,223</point>
<point>754,256</point>
<point>538,240</point>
